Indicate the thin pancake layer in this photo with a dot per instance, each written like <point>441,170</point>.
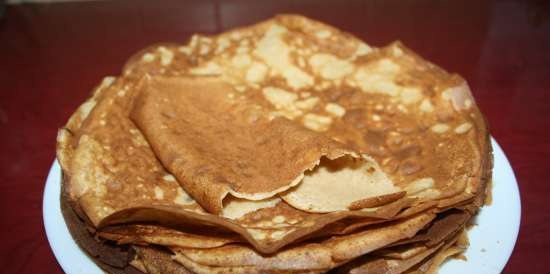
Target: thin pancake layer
<point>158,235</point>
<point>417,257</point>
<point>312,256</point>
<point>156,261</point>
<point>263,229</point>
<point>418,121</point>
<point>379,265</point>
<point>216,145</point>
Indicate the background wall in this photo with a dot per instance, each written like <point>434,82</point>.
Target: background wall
<point>39,1</point>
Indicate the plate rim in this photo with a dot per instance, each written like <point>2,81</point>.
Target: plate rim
<point>71,258</point>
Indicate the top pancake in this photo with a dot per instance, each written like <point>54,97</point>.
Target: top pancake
<point>417,121</point>
<point>414,121</point>
<point>216,145</point>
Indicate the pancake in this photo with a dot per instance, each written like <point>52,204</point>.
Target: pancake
<point>106,192</point>
<point>445,225</point>
<point>216,146</point>
<point>413,121</point>
<point>285,146</point>
<point>158,235</point>
<point>260,224</point>
<point>157,261</point>
<point>432,264</point>
<point>323,255</point>
<point>379,265</point>
<point>389,103</point>
<point>415,256</point>
<point>408,252</point>
<point>412,259</point>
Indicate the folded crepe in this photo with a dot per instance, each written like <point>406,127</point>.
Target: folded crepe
<point>218,146</point>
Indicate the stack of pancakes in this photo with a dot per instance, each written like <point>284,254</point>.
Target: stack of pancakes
<point>284,147</point>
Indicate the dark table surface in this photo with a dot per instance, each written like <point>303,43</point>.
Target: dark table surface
<point>51,55</point>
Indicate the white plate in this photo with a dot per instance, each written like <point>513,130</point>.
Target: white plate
<point>491,240</point>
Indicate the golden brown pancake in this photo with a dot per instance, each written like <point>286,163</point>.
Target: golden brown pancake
<point>275,137</point>
<point>368,107</point>
<point>323,255</point>
<point>218,146</point>
<point>156,189</point>
<point>164,195</point>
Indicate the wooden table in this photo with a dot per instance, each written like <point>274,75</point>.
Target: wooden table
<point>51,55</point>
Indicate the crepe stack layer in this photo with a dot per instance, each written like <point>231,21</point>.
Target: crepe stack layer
<point>284,147</point>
